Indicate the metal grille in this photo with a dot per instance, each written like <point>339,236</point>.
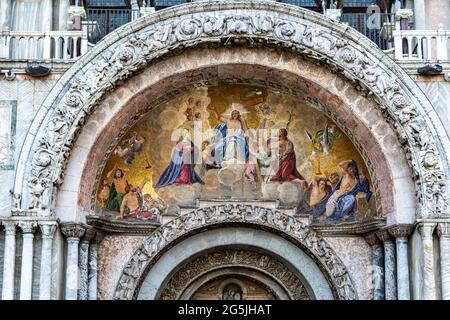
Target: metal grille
<point>371,26</point>
<point>107,20</point>
<point>168,3</point>
<point>106,3</point>
<point>360,3</point>
<point>161,4</point>
<point>301,3</point>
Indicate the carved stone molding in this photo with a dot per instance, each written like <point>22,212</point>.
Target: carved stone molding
<point>217,23</point>
<point>72,231</point>
<point>235,258</point>
<point>400,231</point>
<point>221,215</point>
<point>121,227</point>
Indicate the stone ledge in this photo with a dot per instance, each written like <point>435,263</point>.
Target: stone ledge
<point>410,67</point>
<point>118,227</point>
<point>350,228</point>
<point>18,66</point>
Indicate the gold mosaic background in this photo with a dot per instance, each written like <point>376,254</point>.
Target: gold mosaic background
<point>158,126</point>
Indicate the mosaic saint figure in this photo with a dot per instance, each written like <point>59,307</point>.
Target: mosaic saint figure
<point>287,163</point>
<point>181,169</point>
<point>132,202</point>
<point>342,202</point>
<point>129,147</point>
<point>117,178</point>
<point>230,143</point>
<point>318,193</point>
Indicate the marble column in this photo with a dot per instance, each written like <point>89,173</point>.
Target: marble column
<point>92,274</point>
<point>419,15</point>
<point>46,15</point>
<point>390,281</point>
<point>426,230</point>
<point>63,15</point>
<point>73,232</point>
<point>443,231</point>
<point>401,233</point>
<point>26,272</point>
<point>45,279</point>
<point>377,266</point>
<point>83,263</point>
<point>5,15</point>
<point>9,259</point>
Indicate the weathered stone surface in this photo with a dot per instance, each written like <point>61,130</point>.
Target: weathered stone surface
<point>356,255</point>
<point>113,254</point>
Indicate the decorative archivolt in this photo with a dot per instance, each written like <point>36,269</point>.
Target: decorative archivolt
<point>242,258</point>
<point>250,23</point>
<point>238,214</point>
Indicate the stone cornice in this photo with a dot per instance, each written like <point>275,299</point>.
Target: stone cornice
<point>109,226</point>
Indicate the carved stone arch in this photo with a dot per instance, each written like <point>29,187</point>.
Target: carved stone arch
<point>184,226</point>
<point>231,262</point>
<point>125,51</point>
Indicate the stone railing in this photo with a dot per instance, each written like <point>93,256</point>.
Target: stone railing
<point>51,45</point>
<point>422,45</point>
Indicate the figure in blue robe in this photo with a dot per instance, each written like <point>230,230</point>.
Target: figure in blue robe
<point>223,145</point>
<point>343,206</point>
<point>180,170</point>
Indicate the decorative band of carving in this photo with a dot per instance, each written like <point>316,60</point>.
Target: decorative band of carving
<point>256,23</point>
<point>234,257</point>
<point>313,244</point>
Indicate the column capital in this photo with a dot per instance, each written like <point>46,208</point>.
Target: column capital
<point>384,235</point>
<point>72,230</point>
<point>10,227</point>
<point>443,229</point>
<point>48,229</point>
<point>99,236</point>
<point>88,235</point>
<point>28,226</point>
<point>426,229</point>
<point>372,239</point>
<point>400,230</point>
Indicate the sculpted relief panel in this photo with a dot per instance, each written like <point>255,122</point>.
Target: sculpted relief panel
<point>235,142</point>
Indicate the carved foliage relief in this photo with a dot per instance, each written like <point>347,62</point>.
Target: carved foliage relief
<point>312,242</point>
<point>250,27</point>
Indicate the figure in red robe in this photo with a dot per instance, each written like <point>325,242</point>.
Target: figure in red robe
<point>287,169</point>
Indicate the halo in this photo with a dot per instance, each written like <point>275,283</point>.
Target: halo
<point>235,106</point>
